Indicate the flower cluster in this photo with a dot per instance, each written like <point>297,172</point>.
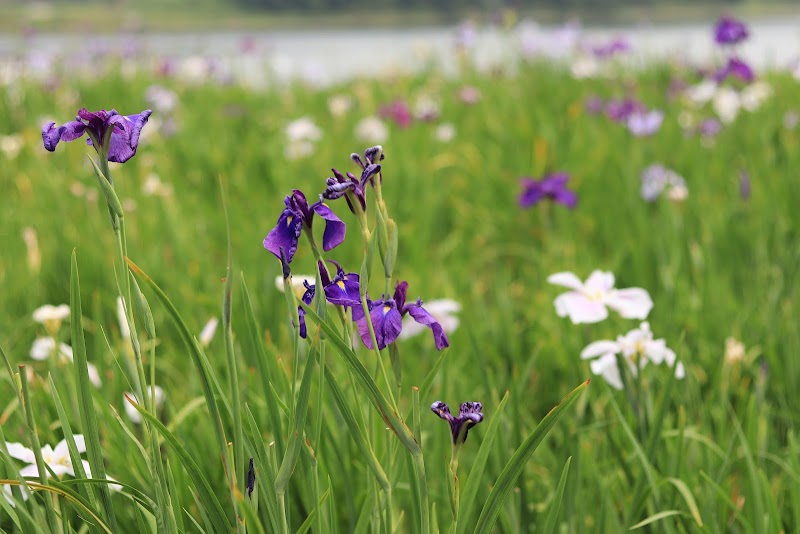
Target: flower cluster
<point>587,302</point>
<point>57,460</point>
<point>382,317</point>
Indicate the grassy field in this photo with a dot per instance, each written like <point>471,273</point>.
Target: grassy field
<point>343,440</point>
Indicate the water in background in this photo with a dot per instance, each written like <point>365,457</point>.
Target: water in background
<point>326,56</point>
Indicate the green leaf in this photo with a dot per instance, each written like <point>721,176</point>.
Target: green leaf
<point>390,417</point>
<point>555,505</point>
<point>207,496</point>
<point>88,414</point>
<point>656,517</point>
<point>513,469</point>
<point>467,497</point>
<point>686,493</point>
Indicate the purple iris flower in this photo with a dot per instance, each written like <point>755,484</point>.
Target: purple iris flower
<point>343,289</point>
<point>387,319</point>
<point>620,110</point>
<point>108,131</point>
<point>339,185</point>
<point>729,31</point>
<point>645,123</point>
<point>299,214</point>
<point>618,45</point>
<point>308,297</point>
<point>736,68</point>
<point>552,186</point>
<point>469,415</point>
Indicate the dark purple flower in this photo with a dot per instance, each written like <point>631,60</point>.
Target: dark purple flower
<point>387,319</point>
<point>340,185</point>
<point>251,479</point>
<point>299,214</point>
<point>620,110</point>
<point>108,131</point>
<point>553,186</point>
<point>730,31</point>
<point>344,289</point>
<point>469,415</point>
<point>736,68</point>
<point>308,297</point>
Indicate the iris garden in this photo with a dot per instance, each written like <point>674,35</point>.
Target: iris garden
<point>490,241</point>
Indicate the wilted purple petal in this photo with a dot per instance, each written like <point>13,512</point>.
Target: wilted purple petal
<point>285,235</point>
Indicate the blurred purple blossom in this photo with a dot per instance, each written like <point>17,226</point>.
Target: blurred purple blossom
<point>398,111</point>
<point>656,179</point>
<point>553,186</point>
<point>729,31</point>
<point>645,123</point>
<point>620,110</point>
<point>469,94</point>
<point>617,46</point>
<point>594,105</point>
<point>737,68</point>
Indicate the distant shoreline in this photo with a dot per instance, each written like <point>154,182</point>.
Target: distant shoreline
<point>105,18</point>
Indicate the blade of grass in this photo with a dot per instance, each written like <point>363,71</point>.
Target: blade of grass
<point>390,417</point>
<point>513,469</point>
<point>475,476</point>
<point>87,412</point>
<point>268,369</point>
<point>208,501</point>
<point>686,493</point>
<point>195,353</point>
<point>656,517</point>
<point>555,505</point>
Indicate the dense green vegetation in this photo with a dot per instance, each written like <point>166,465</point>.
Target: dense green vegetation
<point>714,452</point>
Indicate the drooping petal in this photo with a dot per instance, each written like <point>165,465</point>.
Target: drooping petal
<point>565,279</point>
<point>599,348</point>
<point>630,303</point>
<point>442,410</point>
<point>606,366</point>
<point>51,135</point>
<point>579,308</point>
<point>424,318</point>
<point>20,452</point>
<point>125,136</point>
<point>335,229</point>
<point>286,235</point>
